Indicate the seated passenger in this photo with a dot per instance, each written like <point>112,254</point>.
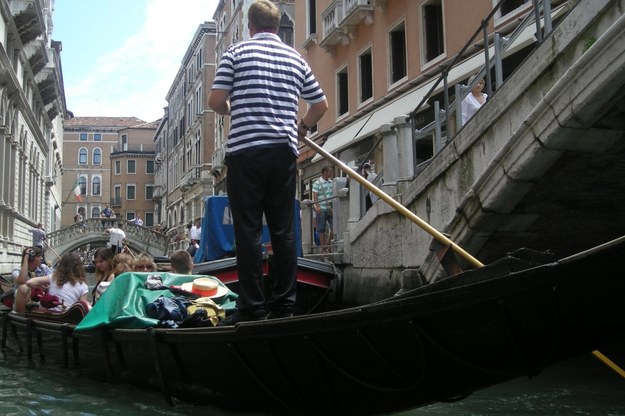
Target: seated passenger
<point>144,263</point>
<point>181,262</point>
<point>67,283</point>
<point>103,259</point>
<point>32,266</point>
<point>122,263</point>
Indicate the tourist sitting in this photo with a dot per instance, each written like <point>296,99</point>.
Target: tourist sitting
<point>67,283</point>
<point>144,263</point>
<point>103,272</point>
<point>32,266</point>
<point>122,263</point>
<point>181,262</point>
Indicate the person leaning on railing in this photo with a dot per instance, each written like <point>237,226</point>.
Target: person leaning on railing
<point>322,192</point>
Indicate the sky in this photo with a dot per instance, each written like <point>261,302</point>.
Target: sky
<point>120,57</point>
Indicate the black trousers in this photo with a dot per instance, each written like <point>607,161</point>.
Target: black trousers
<point>261,182</point>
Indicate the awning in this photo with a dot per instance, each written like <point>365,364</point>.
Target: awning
<point>370,123</point>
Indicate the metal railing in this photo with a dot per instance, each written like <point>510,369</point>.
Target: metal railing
<point>501,43</point>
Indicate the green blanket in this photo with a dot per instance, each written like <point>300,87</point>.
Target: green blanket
<point>123,305</point>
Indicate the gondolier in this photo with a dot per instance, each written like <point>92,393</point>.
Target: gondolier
<point>259,82</point>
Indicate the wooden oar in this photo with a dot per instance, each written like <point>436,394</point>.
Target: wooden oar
<point>393,203</point>
<point>53,250</point>
<point>425,226</point>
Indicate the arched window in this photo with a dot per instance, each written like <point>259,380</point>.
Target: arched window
<point>82,156</point>
<point>97,156</point>
<point>82,182</point>
<point>95,212</point>
<point>95,186</point>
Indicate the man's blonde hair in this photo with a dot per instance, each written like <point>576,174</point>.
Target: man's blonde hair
<point>263,15</point>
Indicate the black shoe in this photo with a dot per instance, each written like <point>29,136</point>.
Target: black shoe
<point>240,316</point>
<point>280,314</point>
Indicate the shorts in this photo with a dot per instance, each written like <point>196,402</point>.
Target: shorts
<point>323,218</point>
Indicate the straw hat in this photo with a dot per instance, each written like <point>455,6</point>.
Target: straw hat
<point>205,287</point>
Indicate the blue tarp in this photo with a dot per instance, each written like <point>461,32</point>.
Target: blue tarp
<point>217,239</point>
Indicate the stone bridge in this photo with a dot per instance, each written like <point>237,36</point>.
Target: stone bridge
<point>542,165</point>
<point>91,232</point>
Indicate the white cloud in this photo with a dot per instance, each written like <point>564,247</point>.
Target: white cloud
<point>134,79</point>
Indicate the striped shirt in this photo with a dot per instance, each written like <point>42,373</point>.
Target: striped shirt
<point>324,190</point>
<point>265,79</point>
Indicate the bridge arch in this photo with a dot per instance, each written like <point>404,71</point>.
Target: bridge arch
<point>92,232</point>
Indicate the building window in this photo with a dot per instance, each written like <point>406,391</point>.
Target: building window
<point>117,195</point>
<point>149,192</point>
<point>130,216</point>
<point>82,183</point>
<point>397,48</point>
<point>83,137</point>
<point>366,76</point>
<point>342,92</point>
<point>95,212</point>
<point>118,167</point>
<point>148,219</point>
<point>131,166</point>
<point>149,167</point>
<point>97,156</point>
<point>95,186</point>
<point>511,5</point>
<point>82,156</point>
<point>97,137</point>
<point>131,192</point>
<point>312,17</point>
<point>433,31</point>
<point>124,142</point>
<point>285,31</point>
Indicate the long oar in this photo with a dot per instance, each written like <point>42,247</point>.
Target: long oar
<point>53,250</point>
<point>393,203</point>
<point>424,225</point>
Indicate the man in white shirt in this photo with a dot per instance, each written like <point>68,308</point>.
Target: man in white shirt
<point>196,230</point>
<point>116,238</point>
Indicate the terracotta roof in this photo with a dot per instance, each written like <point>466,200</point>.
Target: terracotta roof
<point>105,122</point>
<point>150,125</point>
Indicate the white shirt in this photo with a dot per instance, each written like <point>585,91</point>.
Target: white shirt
<point>69,293</point>
<point>195,233</point>
<point>117,236</point>
<point>470,105</point>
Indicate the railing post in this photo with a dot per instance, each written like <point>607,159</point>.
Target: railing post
<point>459,97</point>
<point>486,59</point>
<point>547,16</point>
<point>438,144</point>
<point>498,65</point>
<point>307,227</point>
<point>539,33</point>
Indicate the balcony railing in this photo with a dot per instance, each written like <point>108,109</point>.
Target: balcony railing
<point>134,148</point>
<point>330,29</point>
<point>341,18</point>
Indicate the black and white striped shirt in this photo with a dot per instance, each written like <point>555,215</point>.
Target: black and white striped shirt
<point>265,79</point>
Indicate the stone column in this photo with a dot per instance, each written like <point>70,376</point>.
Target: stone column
<point>308,243</point>
<point>354,202</point>
<point>405,144</point>
<point>390,155</point>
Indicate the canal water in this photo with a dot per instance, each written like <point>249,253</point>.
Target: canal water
<point>583,386</point>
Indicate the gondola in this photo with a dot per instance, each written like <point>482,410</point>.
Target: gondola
<point>441,342</point>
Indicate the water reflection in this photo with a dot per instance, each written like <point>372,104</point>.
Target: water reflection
<point>581,387</point>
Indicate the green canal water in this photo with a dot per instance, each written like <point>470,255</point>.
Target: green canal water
<point>583,386</point>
